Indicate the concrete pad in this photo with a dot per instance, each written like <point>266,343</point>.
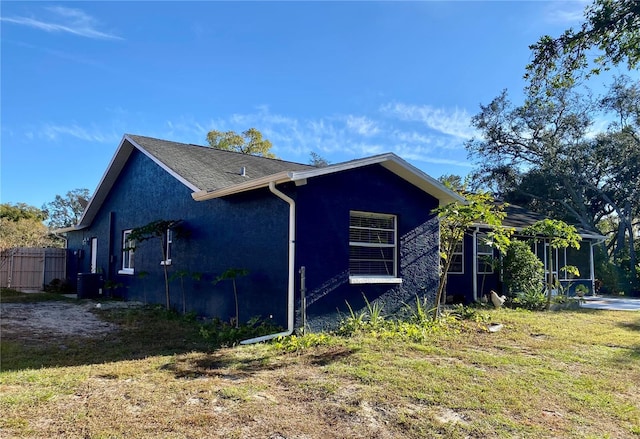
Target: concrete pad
<point>611,303</point>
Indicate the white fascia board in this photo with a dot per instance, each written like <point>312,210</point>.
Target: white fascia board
<point>331,169</point>
<point>170,171</point>
<point>68,229</point>
<point>396,165</point>
<point>117,163</point>
<point>108,178</point>
<point>257,183</point>
<point>423,181</point>
<point>390,161</point>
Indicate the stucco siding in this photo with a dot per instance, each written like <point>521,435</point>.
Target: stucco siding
<point>324,204</point>
<point>243,231</point>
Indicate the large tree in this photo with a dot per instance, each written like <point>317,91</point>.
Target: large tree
<point>21,226</point>
<point>247,142</point>
<point>65,211</point>
<point>544,155</point>
<point>609,35</point>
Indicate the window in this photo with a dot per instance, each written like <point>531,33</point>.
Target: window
<point>168,242</point>
<point>485,255</point>
<point>372,248</point>
<point>127,253</point>
<point>457,259</point>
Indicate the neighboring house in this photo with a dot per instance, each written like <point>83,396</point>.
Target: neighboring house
<point>362,228</point>
<point>474,272</point>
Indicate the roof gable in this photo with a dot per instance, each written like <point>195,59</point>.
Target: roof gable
<point>200,168</point>
<point>389,161</point>
<point>213,173</point>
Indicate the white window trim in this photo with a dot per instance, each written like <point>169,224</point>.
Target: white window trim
<point>126,254</point>
<point>359,279</point>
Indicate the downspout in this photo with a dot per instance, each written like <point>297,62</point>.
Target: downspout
<point>292,261</point>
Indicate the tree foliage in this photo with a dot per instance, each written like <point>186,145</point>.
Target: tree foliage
<point>247,142</point>
<point>555,234</point>
<point>65,211</point>
<point>318,161</point>
<point>21,226</point>
<point>158,230</point>
<point>611,29</point>
<point>457,218</point>
<point>543,155</point>
<point>232,274</point>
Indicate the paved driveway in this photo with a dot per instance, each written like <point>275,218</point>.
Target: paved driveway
<point>611,303</point>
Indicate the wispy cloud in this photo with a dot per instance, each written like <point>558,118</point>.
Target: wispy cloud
<point>335,137</point>
<point>565,12</point>
<point>362,125</point>
<point>453,123</point>
<point>61,19</point>
<point>54,132</point>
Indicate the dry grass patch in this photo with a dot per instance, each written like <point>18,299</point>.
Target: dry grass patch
<point>570,374</point>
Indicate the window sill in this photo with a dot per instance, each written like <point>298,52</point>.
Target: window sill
<point>126,271</point>
<point>359,280</point>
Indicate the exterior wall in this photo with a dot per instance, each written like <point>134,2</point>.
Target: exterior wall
<point>460,286</point>
<point>243,231</point>
<point>322,242</point>
<point>250,231</point>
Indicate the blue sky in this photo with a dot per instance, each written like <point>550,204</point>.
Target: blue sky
<point>344,80</point>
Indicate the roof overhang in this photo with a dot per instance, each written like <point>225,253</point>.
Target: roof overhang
<point>592,236</point>
<point>116,165</point>
<point>389,161</point>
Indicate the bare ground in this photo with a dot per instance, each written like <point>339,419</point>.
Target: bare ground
<point>29,321</point>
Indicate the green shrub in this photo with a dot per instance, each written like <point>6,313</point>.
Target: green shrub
<point>295,343</point>
<point>531,300</point>
<point>370,319</point>
<point>523,272</point>
<point>228,334</point>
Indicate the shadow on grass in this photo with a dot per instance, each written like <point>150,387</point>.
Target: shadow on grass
<point>142,332</point>
<point>225,364</point>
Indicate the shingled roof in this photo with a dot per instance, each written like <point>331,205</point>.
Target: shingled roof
<point>518,218</point>
<point>212,173</point>
<point>210,169</point>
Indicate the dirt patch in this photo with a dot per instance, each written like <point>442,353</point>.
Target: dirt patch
<point>58,319</point>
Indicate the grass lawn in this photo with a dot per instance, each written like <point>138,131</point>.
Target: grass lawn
<point>569,374</point>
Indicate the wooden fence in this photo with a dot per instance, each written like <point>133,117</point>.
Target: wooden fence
<point>30,269</point>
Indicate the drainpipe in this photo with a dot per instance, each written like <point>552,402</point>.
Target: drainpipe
<point>292,261</point>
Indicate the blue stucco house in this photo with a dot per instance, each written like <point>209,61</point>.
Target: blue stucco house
<point>475,269</point>
<point>330,235</point>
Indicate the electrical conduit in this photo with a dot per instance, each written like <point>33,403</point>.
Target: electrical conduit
<point>291,278</point>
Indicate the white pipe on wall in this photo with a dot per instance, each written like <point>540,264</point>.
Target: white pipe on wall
<point>291,277</point>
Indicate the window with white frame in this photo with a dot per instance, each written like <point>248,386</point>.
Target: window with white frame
<point>457,259</point>
<point>168,243</point>
<point>127,253</point>
<point>484,253</point>
<point>372,246</point>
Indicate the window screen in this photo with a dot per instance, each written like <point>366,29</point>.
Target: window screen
<point>372,244</point>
